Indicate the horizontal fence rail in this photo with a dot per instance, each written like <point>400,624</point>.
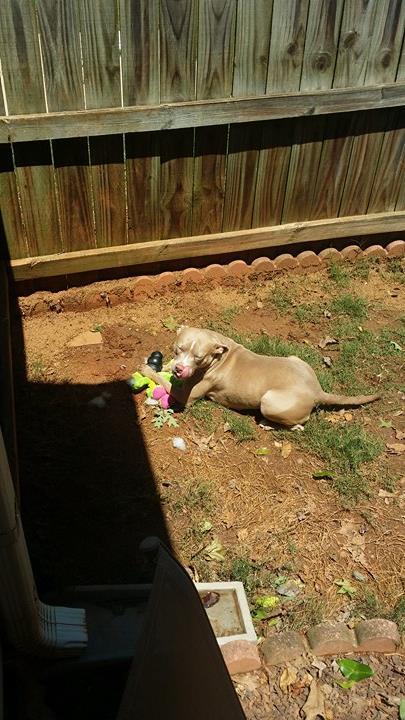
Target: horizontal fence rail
<point>174,124</point>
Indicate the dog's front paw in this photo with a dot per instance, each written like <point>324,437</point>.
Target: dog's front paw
<point>146,371</point>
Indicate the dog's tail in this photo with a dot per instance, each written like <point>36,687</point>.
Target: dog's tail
<point>331,399</point>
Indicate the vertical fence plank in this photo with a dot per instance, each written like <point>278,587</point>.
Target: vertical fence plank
<point>178,46</point>
<point>368,134</point>
<point>356,40</point>
<point>36,186</point>
<point>9,206</point>
<point>178,49</point>
<point>141,85</point>
<point>140,51</point>
<point>59,25</point>
<point>21,64</point>
<point>304,164</point>
<point>286,45</point>
<point>74,190</point>
<point>388,34</point>
<point>143,178</point>
<point>60,42</point>
<point>101,55</point>
<point>272,172</point>
<point>321,44</point>
<point>284,75</point>
<point>101,72</point>
<point>176,156</point>
<point>20,57</point>
<point>334,160</point>
<point>108,183</point>
<point>214,79</point>
<point>389,175</point>
<point>252,47</point>
<point>253,26</point>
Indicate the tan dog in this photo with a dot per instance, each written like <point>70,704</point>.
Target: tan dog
<point>285,389</point>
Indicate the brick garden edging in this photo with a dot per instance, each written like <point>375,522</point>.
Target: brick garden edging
<point>138,288</point>
<point>376,636</point>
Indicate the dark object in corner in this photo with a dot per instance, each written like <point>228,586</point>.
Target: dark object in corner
<point>155,361</point>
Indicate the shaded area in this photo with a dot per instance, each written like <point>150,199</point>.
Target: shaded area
<point>88,493</point>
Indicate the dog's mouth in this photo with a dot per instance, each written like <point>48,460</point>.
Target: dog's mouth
<point>182,371</point>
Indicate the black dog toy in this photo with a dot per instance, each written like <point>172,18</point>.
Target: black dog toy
<point>155,361</point>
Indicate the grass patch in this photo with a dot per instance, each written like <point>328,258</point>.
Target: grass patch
<point>281,301</point>
<point>304,613</point>
<point>343,448</point>
<point>194,496</point>
<point>252,575</point>
<point>361,269</point>
<point>202,412</point>
<point>37,368</point>
<point>307,313</point>
<point>241,427</point>
<point>339,274</point>
<point>396,269</point>
<point>397,614</point>
<point>228,314</point>
<point>350,305</point>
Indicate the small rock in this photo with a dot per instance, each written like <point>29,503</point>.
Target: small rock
<point>327,314</point>
<point>259,304</point>
<point>327,341</point>
<point>86,338</point>
<point>98,402</point>
<point>359,576</point>
<point>179,444</point>
<point>151,401</point>
<point>327,360</point>
<point>289,589</point>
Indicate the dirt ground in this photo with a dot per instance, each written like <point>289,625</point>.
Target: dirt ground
<point>241,502</point>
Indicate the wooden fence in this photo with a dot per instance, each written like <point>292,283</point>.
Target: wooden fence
<point>136,131</point>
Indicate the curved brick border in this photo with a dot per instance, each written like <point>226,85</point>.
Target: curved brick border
<point>369,636</point>
<point>237,271</point>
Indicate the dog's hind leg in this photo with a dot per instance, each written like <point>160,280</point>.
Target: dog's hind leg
<point>286,407</point>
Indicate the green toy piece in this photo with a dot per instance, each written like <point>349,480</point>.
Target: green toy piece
<point>139,382</point>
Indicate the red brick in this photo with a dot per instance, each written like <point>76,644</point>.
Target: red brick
<point>396,248</point>
<point>280,647</point>
<point>164,279</point>
<point>285,262</point>
<point>240,656</point>
<point>143,285</point>
<point>330,255</point>
<point>192,275</point>
<point>262,265</point>
<point>331,639</point>
<point>308,259</point>
<point>377,635</point>
<point>375,251</point>
<point>351,252</point>
<point>238,268</point>
<point>215,272</point>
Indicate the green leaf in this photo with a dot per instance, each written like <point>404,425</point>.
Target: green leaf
<point>323,475</point>
<point>385,423</point>
<point>353,670</point>
<point>280,579</point>
<point>346,684</point>
<point>267,601</point>
<point>262,451</point>
<point>272,622</point>
<point>402,709</point>
<point>260,614</point>
<point>170,323</point>
<point>345,588</point>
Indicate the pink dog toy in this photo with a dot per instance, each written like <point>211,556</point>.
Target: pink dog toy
<point>159,393</point>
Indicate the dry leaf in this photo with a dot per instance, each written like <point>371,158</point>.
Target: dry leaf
<point>278,444</point>
<point>228,518</point>
<point>315,704</point>
<point>348,416</point>
<point>395,448</point>
<point>327,341</point>
<point>286,449</point>
<point>288,677</point>
<point>385,494</point>
<point>242,534</point>
<point>399,435</point>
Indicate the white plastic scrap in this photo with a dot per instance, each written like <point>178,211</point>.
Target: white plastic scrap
<point>179,444</point>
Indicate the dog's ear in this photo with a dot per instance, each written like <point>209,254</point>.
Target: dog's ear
<point>220,348</point>
<point>180,328</point>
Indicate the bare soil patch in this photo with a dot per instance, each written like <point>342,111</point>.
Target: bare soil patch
<point>97,479</point>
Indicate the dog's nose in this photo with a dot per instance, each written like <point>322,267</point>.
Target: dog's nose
<point>178,368</point>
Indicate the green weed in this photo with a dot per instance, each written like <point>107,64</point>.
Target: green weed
<point>304,613</point>
<point>350,305</point>
<point>228,314</point>
<point>202,412</point>
<point>307,313</point>
<point>240,426</point>
<point>195,496</point>
<point>396,268</point>
<point>339,274</point>
<point>281,301</point>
